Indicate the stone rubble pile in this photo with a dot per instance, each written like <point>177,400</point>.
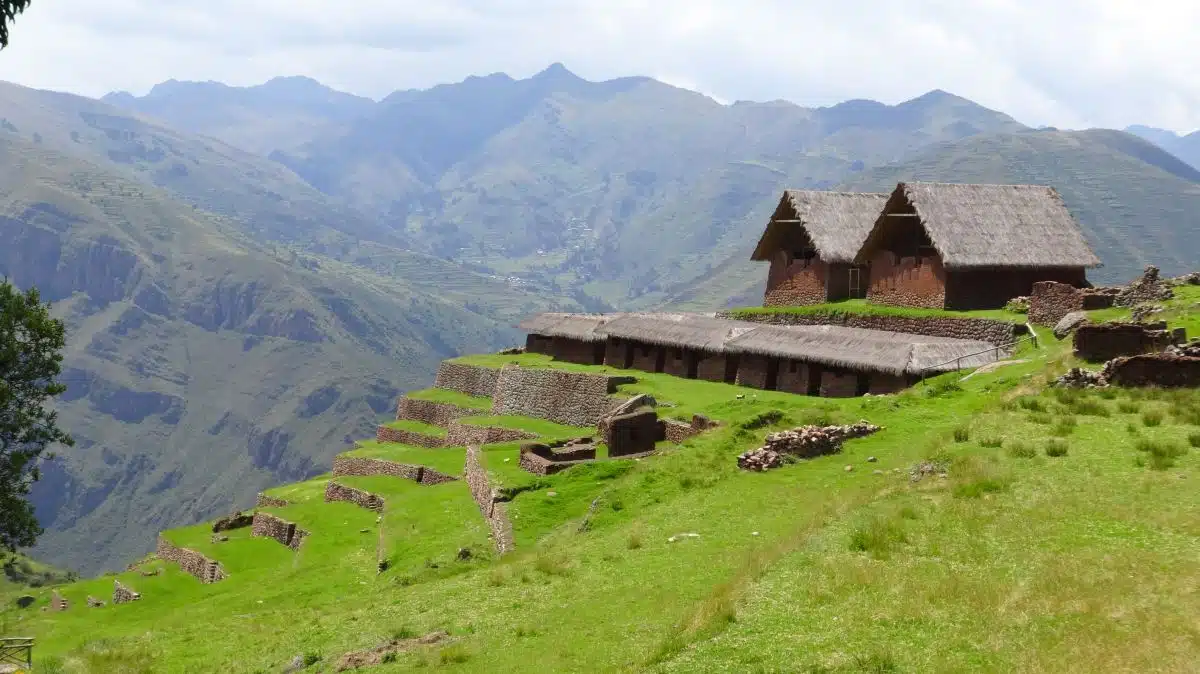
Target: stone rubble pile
<point>802,443</point>
<point>1189,350</point>
<point>1019,304</point>
<point>1192,279</point>
<point>1143,311</point>
<point>1078,377</point>
<point>1148,288</point>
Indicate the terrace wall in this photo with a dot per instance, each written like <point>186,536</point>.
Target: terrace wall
<point>435,413</point>
<point>492,510</point>
<point>191,562</point>
<point>1105,341</point>
<point>1000,333</point>
<point>386,434</point>
<point>1157,369</point>
<point>571,398</point>
<point>797,282</point>
<point>286,533</point>
<point>265,501</point>
<point>907,281</point>
<point>355,465</point>
<point>462,434</point>
<point>470,379</point>
<point>364,499</point>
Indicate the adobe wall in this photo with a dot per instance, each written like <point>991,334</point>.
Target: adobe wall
<point>538,344</point>
<point>676,361</point>
<point>645,357</point>
<point>363,499</point>
<point>793,377</point>
<point>470,379</point>
<point>1105,341</point>
<point>1000,333</point>
<point>571,398</point>
<point>286,533</point>
<point>435,413</point>
<point>265,501</point>
<point>711,367</point>
<point>354,465</point>
<point>1157,369</point>
<point>122,594</point>
<point>493,511</point>
<point>577,351</point>
<point>752,371</point>
<point>839,384</point>
<point>796,283</point>
<point>881,384</point>
<point>461,435</point>
<point>907,281</point>
<point>387,434</point>
<point>191,562</point>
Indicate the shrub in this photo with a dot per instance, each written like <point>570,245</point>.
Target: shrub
<point>552,565</point>
<point>389,657</point>
<point>1064,426</point>
<point>1151,418</point>
<point>1160,454</point>
<point>992,443</point>
<point>962,434</point>
<point>1194,439</point>
<point>1031,403</point>
<point>454,654</point>
<point>311,659</point>
<point>402,633</point>
<point>1021,450</point>
<point>1128,407</point>
<point>940,387</point>
<point>1041,418</point>
<point>1090,408</point>
<point>1056,448</point>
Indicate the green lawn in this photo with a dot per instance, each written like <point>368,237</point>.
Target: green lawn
<point>546,430</point>
<point>846,307</point>
<point>448,460</point>
<point>1063,538</point>
<point>417,427</point>
<point>441,395</point>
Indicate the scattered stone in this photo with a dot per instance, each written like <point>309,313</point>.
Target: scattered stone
<point>92,602</point>
<point>237,520</point>
<point>926,468</point>
<point>1018,305</point>
<point>551,493</point>
<point>25,601</point>
<point>1189,350</point>
<point>878,472</point>
<point>295,665</point>
<point>219,538</point>
<point>512,351</point>
<point>848,468</point>
<point>741,395</point>
<point>364,531</point>
<point>379,654</point>
<point>1078,377</point>
<point>760,459</point>
<point>1141,312</point>
<point>150,572</point>
<point>753,533</point>
<point>1189,279</point>
<point>1068,323</point>
<point>1148,288</point>
<point>507,459</point>
<point>804,442</point>
<point>871,459</point>
<point>123,594</point>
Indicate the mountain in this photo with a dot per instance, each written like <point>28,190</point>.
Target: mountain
<point>204,364</point>
<point>1186,147</point>
<point>278,115</point>
<point>1137,204</point>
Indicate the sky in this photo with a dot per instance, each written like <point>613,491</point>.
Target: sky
<point>1064,63</point>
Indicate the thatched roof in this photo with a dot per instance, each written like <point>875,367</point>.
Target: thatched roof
<point>571,326</point>
<point>859,349</point>
<point>990,225</point>
<point>692,331</point>
<point>836,222</point>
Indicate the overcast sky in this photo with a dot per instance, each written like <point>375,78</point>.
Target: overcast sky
<point>1066,63</point>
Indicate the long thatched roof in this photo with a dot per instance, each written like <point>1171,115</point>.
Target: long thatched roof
<point>691,331</point>
<point>836,222</point>
<point>989,225</point>
<point>582,327</point>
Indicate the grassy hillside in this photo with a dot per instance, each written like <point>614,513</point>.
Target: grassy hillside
<point>1049,531</point>
<point>203,364</point>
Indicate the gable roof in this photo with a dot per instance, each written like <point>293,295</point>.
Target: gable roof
<point>837,222</point>
<point>571,326</point>
<point>992,225</point>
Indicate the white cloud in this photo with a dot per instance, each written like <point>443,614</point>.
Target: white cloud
<point>1067,63</point>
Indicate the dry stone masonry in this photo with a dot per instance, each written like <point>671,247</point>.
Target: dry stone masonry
<point>1052,301</point>
<point>58,602</point>
<point>353,465</point>
<point>434,413</point>
<point>571,398</point>
<point>363,499</point>
<point>235,521</point>
<point>202,568</point>
<point>547,459</point>
<point>802,443</point>
<point>1159,369</point>
<point>1105,341</point>
<point>387,434</point>
<point>461,434</point>
<point>1148,288</point>
<point>265,501</point>
<point>92,602</point>
<point>492,509</point>
<point>286,533</point>
<point>123,594</point>
<point>1000,333</point>
<point>470,379</point>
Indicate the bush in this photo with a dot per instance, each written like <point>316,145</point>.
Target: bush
<point>1041,418</point>
<point>1056,448</point>
<point>1194,439</point>
<point>992,443</point>
<point>1160,454</point>
<point>1151,418</point>
<point>1128,407</point>
<point>311,659</point>
<point>1064,426</point>
<point>1031,403</point>
<point>962,434</point>
<point>1020,450</point>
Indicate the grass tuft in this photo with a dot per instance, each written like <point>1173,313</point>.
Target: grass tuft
<point>1129,407</point>
<point>1056,448</point>
<point>1064,426</point>
<point>962,434</point>
<point>1194,439</point>
<point>877,536</point>
<point>1032,404</point>
<point>1152,418</point>
<point>1160,454</point>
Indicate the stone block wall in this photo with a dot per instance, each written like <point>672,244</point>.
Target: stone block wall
<point>1105,341</point>
<point>470,379</point>
<point>795,282</point>
<point>907,281</point>
<point>385,434</point>
<point>434,413</point>
<point>286,533</point>
<point>462,435</point>
<point>234,521</point>
<point>122,594</point>
<point>1159,369</point>
<point>752,371</point>
<point>493,511</point>
<point>677,431</point>
<point>839,384</point>
<point>632,433</point>
<point>1000,333</point>
<point>571,398</point>
<point>265,501</point>
<point>363,499</point>
<point>354,465</point>
<point>191,562</point>
<point>1051,301</point>
<point>540,465</point>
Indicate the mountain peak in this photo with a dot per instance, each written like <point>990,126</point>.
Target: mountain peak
<point>557,72</point>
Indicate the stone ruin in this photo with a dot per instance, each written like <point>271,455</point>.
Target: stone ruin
<point>123,594</point>
<point>286,533</point>
<point>237,520</point>
<point>542,458</point>
<point>58,602</point>
<point>804,442</point>
<point>1147,288</point>
<point>1078,377</point>
<point>1105,341</point>
<point>1188,350</point>
<point>92,602</point>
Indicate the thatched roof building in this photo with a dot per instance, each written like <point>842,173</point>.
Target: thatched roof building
<point>581,327</point>
<point>692,331</point>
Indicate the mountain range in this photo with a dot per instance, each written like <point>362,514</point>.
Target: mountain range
<point>250,275</point>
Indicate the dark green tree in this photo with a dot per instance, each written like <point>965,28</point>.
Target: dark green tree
<point>9,9</point>
<point>31,344</point>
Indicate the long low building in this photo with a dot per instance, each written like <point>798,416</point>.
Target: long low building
<point>825,360</point>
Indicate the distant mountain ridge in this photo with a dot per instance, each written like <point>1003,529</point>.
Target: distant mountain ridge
<point>1186,147</point>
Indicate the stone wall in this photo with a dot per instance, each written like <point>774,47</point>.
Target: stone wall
<point>286,533</point>
<point>386,434</point>
<point>191,562</point>
<point>434,413</point>
<point>122,594</point>
<point>907,281</point>
<point>632,433</point>
<point>1157,369</point>
<point>752,370</point>
<point>796,282</point>
<point>355,465</point>
<point>1104,341</point>
<point>677,431</point>
<point>1000,333</point>
<point>461,434</point>
<point>574,399</point>
<point>363,499</point>
<point>485,497</point>
<point>793,377</point>
<point>1051,301</point>
<point>234,521</point>
<point>470,379</point>
<point>540,465</point>
<point>265,501</point>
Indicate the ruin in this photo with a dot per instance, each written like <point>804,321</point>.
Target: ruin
<point>354,465</point>
<point>237,520</point>
<point>1104,341</point>
<point>550,458</point>
<point>58,602</point>
<point>191,562</point>
<point>286,533</point>
<point>805,442</point>
<point>123,594</point>
<point>339,492</point>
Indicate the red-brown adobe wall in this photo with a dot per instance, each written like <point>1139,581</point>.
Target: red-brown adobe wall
<point>752,371</point>
<point>538,344</point>
<point>796,283</point>
<point>793,377</point>
<point>1157,369</point>
<point>645,357</point>
<point>839,384</point>
<point>676,361</point>
<point>577,351</point>
<point>907,281</point>
<point>711,367</point>
<point>993,288</point>
<point>886,383</point>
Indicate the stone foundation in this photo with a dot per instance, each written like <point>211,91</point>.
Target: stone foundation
<point>492,510</point>
<point>1051,301</point>
<point>234,521</point>
<point>202,568</point>
<point>123,594</point>
<point>433,413</point>
<point>92,602</point>
<point>461,434</point>
<point>678,431</point>
<point>363,499</point>
<point>470,379</point>
<point>406,437</point>
<point>347,465</point>
<point>1105,341</point>
<point>805,442</point>
<point>540,465</point>
<point>1000,333</point>
<point>286,533</point>
<point>264,501</point>
<point>574,399</point>
<point>1165,370</point>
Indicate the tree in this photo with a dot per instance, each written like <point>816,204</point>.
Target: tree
<point>31,343</point>
<point>9,9</point>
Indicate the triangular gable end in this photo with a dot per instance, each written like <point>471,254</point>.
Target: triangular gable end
<point>898,213</point>
<point>782,222</point>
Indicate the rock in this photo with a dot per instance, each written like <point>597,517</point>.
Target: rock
<point>551,493</point>
<point>879,472</point>
<point>753,533</point>
<point>1067,324</point>
<point>295,665</point>
<point>463,554</point>
<point>926,468</point>
<point>25,601</point>
<point>1190,350</point>
<point>364,531</point>
<point>848,468</point>
<point>1078,377</point>
<point>871,459</point>
<point>93,602</point>
<point>218,538</point>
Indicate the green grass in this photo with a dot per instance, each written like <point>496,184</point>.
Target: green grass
<point>417,427</point>
<point>448,460</point>
<point>865,308</point>
<point>441,395</point>
<point>546,430</point>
